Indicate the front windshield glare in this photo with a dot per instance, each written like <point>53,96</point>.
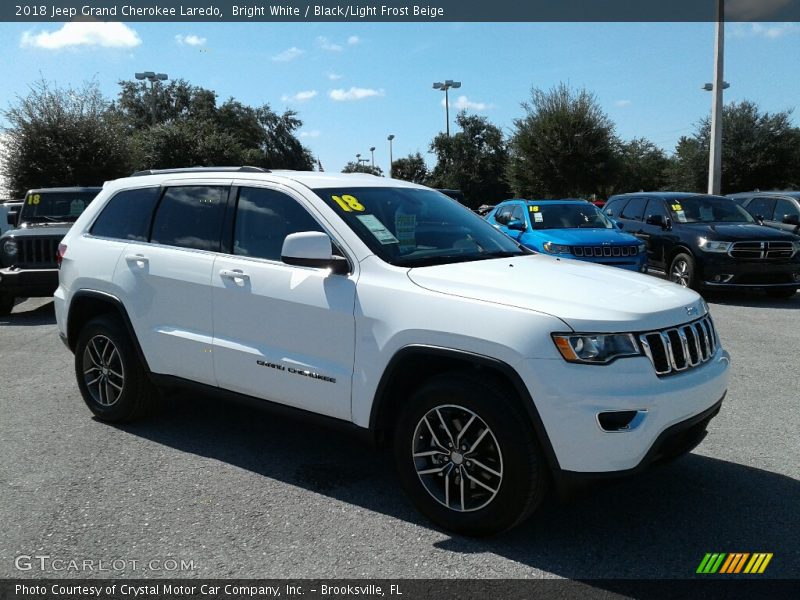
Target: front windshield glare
<point>546,215</point>
<point>49,206</point>
<point>708,209</point>
<point>417,227</point>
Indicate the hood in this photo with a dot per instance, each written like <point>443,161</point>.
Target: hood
<point>581,237</point>
<point>58,230</point>
<point>588,297</point>
<point>735,232</point>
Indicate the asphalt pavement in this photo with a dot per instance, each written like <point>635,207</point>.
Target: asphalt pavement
<point>216,490</point>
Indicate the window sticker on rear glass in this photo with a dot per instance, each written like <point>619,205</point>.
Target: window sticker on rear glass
<point>537,216</point>
<point>376,228</point>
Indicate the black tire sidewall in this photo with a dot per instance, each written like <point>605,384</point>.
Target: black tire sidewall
<point>523,467</point>
<point>129,403</point>
<point>6,304</point>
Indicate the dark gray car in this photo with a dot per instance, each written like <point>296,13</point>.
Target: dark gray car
<point>780,210</point>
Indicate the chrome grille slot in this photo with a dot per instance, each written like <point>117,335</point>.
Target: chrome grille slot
<point>762,250</point>
<point>678,349</point>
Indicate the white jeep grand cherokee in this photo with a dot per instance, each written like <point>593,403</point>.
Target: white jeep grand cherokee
<point>387,305</point>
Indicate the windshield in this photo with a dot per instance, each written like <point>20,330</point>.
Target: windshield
<point>567,216</point>
<point>55,206</point>
<point>417,227</point>
<point>707,209</point>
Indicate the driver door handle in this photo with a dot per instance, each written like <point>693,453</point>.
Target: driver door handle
<point>234,274</point>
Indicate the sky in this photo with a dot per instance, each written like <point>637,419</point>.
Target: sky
<point>354,84</point>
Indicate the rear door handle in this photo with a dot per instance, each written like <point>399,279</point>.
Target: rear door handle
<point>235,274</point>
<point>140,260</point>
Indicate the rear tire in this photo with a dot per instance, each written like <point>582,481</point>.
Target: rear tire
<point>781,293</point>
<point>467,455</point>
<point>6,305</point>
<point>682,271</point>
<point>110,375</point>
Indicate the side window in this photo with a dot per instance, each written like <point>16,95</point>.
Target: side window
<point>654,208</point>
<point>264,218</point>
<point>761,207</point>
<point>127,215</point>
<point>503,215</point>
<point>190,217</point>
<point>634,210</point>
<point>518,213</point>
<point>785,208</point>
<point>613,207</point>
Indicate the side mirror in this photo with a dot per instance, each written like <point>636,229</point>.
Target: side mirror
<point>516,225</point>
<point>312,249</point>
<point>791,219</point>
<point>759,218</point>
<point>12,218</point>
<point>658,221</point>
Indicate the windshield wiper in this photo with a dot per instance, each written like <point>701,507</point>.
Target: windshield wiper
<point>442,259</point>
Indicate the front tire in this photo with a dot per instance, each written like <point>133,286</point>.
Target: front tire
<point>6,305</point>
<point>111,378</point>
<point>781,293</point>
<point>682,271</point>
<point>468,457</point>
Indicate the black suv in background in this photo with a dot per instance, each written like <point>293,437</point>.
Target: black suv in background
<point>780,210</point>
<point>703,241</point>
<point>28,251</point>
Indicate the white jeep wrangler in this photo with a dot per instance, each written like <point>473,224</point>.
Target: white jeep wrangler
<point>386,305</point>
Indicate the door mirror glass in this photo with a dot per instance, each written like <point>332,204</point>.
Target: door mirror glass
<point>657,220</point>
<point>516,225</point>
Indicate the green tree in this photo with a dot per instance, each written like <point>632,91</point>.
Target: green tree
<point>411,168</point>
<point>355,167</point>
<point>642,166</point>
<point>178,124</point>
<point>62,136</point>
<point>759,151</point>
<point>473,160</point>
<point>564,146</point>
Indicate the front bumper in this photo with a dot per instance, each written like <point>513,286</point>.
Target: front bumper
<point>570,399</point>
<point>28,283</point>
<point>725,272</point>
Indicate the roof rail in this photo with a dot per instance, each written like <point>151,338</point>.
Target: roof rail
<point>200,170</point>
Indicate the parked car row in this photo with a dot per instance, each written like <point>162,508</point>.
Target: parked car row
<point>698,241</point>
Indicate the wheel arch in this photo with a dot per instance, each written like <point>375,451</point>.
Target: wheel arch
<point>415,363</point>
<point>87,304</point>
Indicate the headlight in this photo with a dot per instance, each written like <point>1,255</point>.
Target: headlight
<point>796,246</point>
<point>557,248</point>
<point>595,348</point>
<point>10,247</point>
<point>712,246</point>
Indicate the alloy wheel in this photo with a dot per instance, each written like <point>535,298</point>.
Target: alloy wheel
<point>457,458</point>
<point>103,372</point>
<point>680,273</point>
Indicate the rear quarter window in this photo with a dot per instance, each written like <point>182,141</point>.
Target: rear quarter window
<point>127,215</point>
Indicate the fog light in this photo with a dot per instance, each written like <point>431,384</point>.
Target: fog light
<point>796,276</point>
<point>722,278</point>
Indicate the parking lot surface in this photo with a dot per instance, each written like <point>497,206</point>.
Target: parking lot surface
<point>236,492</point>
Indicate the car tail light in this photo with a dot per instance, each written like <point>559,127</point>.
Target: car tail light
<point>62,250</point>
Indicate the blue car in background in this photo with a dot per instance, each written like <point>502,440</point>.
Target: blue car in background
<point>569,229</point>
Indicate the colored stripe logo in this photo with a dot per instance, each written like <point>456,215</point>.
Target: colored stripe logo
<point>734,562</point>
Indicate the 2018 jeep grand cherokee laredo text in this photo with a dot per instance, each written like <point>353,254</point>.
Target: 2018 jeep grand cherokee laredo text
<point>389,306</point>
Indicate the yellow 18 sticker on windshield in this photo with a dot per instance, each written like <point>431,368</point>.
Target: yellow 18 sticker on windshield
<point>348,203</point>
<point>34,199</point>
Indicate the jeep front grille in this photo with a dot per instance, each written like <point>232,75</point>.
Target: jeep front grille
<point>599,251</point>
<point>680,348</point>
<point>762,250</point>
<point>40,252</point>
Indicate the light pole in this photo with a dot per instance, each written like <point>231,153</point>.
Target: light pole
<point>715,153</point>
<point>372,150</point>
<point>448,83</point>
<point>391,166</point>
<point>152,77</point>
